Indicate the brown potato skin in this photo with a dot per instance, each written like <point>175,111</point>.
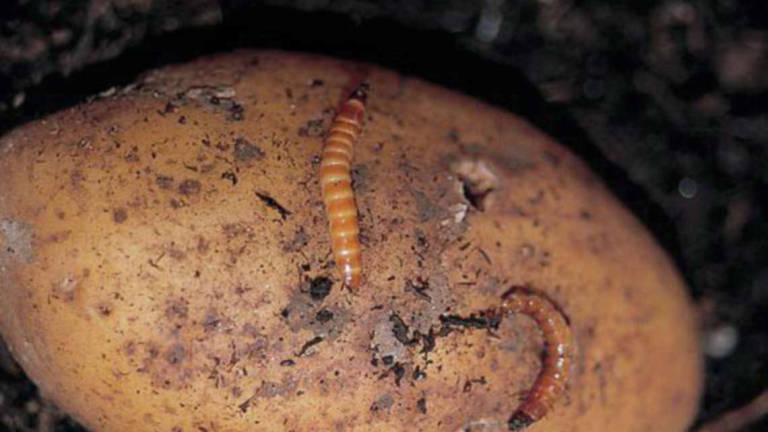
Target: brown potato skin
<point>146,287</point>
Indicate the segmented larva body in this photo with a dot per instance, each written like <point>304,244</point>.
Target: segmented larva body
<point>336,184</point>
<point>558,352</point>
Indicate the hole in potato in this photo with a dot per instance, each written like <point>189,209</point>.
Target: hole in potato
<point>477,182</point>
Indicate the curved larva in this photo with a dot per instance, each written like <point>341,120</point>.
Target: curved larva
<point>336,184</point>
<point>558,353</point>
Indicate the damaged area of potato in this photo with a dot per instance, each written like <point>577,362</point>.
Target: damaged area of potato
<point>15,241</point>
<point>172,267</point>
<point>478,182</point>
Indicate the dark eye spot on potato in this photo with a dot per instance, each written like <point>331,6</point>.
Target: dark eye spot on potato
<point>175,354</point>
<point>164,182</point>
<point>468,384</point>
<point>418,374</point>
<point>132,155</point>
<point>190,187</point>
<point>203,245</point>
<point>105,309</point>
<point>119,215</point>
<point>211,321</point>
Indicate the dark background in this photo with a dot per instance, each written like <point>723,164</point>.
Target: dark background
<point>666,101</point>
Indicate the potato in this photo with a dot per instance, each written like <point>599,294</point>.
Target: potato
<point>165,262</point>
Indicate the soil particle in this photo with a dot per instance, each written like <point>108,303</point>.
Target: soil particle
<point>303,313</point>
<point>421,404</point>
<point>229,175</point>
<point>479,321</point>
<point>313,128</point>
<point>309,344</point>
<point>245,150</point>
<point>399,329</point>
<point>385,344</point>
<point>16,239</point>
<point>319,288</point>
<point>383,403</point>
<point>272,203</point>
<point>323,316</point>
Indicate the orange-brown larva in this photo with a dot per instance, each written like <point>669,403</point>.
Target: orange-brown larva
<point>558,352</point>
<point>336,184</point>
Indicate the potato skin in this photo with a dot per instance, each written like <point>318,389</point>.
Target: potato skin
<point>147,287</point>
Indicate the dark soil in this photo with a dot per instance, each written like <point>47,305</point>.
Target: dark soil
<point>667,102</point>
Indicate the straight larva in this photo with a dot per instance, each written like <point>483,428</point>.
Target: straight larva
<point>336,184</point>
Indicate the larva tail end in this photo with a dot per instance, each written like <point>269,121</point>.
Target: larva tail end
<point>352,282</point>
<point>361,92</point>
<point>519,421</point>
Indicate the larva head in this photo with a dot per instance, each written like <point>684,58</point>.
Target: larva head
<point>361,92</point>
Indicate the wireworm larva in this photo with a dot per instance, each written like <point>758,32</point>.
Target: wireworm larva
<point>559,347</point>
<point>558,352</point>
<point>336,184</point>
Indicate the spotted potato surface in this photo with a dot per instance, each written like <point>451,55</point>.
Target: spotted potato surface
<point>165,262</point>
